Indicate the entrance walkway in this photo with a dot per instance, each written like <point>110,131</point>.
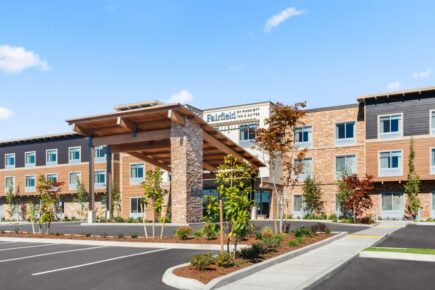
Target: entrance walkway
<point>312,267</point>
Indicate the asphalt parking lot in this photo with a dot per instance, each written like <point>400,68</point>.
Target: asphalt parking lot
<point>128,230</point>
<point>367,273</point>
<point>40,266</point>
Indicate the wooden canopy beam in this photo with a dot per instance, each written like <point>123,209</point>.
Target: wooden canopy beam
<point>176,117</point>
<point>127,124</point>
<point>79,129</point>
<point>128,138</point>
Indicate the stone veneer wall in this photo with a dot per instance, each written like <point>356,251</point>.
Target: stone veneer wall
<point>187,170</point>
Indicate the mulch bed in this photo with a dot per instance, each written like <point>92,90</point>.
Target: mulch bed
<point>140,239</point>
<point>213,271</point>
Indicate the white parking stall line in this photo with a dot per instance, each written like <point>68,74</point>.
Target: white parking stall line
<point>98,262</point>
<point>4,243</point>
<point>50,253</point>
<point>26,247</point>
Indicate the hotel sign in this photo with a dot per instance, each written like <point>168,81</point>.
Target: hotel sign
<point>231,115</point>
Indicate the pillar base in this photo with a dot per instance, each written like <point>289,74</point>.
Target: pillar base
<point>108,215</point>
<point>92,214</point>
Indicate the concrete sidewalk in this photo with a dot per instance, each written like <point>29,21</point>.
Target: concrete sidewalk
<point>309,269</point>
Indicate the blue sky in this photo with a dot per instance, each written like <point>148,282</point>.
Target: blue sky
<point>63,59</point>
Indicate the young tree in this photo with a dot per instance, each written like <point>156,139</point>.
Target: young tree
<point>412,187</point>
<point>276,142</point>
<point>312,194</point>
<point>48,194</point>
<point>354,194</point>
<point>11,199</point>
<point>33,215</point>
<point>234,185</point>
<point>154,193</point>
<point>116,199</point>
<point>81,197</point>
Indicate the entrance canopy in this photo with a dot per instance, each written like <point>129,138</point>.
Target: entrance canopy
<point>146,134</point>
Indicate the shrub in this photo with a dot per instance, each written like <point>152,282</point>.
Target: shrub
<point>272,242</point>
<point>16,230</point>
<point>210,231</point>
<point>296,242</point>
<point>120,235</point>
<point>258,236</point>
<point>104,235</point>
<point>2,231</point>
<point>197,233</point>
<point>318,227</point>
<point>134,236</point>
<point>252,230</point>
<point>327,231</point>
<point>119,219</point>
<point>183,233</point>
<point>224,260</point>
<point>252,253</point>
<point>58,234</point>
<point>131,220</point>
<point>266,232</point>
<point>201,261</point>
<point>302,232</point>
<point>88,235</point>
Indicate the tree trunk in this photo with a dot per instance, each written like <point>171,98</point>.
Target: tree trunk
<point>144,220</point>
<point>33,226</point>
<point>154,223</point>
<point>164,213</point>
<point>221,223</point>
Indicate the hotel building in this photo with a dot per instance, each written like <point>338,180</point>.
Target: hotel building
<point>370,136</point>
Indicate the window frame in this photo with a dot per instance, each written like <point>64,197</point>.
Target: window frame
<point>6,159</point>
<point>345,141</point>
<point>337,174</point>
<point>431,166</point>
<point>73,186</point>
<point>100,159</point>
<point>13,183</point>
<point>392,210</point>
<point>249,127</point>
<point>25,159</point>
<point>431,129</point>
<point>302,176</point>
<point>29,189</point>
<point>50,174</point>
<point>390,135</point>
<point>304,144</point>
<point>394,171</point>
<point>74,161</point>
<point>136,180</point>
<point>51,163</point>
<point>139,211</point>
<point>100,185</point>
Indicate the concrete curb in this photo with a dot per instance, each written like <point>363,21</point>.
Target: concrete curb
<point>132,224</point>
<point>398,256</point>
<point>184,283</point>
<point>115,243</point>
<point>430,224</point>
<point>325,221</point>
<point>314,282</point>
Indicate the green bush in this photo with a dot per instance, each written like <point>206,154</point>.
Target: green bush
<point>119,219</point>
<point>120,235</point>
<point>273,241</point>
<point>183,233</point>
<point>197,233</point>
<point>258,236</point>
<point>318,227</point>
<point>252,253</point>
<point>16,230</point>
<point>327,231</point>
<point>88,235</point>
<point>134,236</point>
<point>302,232</point>
<point>210,231</point>
<point>58,234</point>
<point>224,260</point>
<point>104,235</point>
<point>201,261</point>
<point>266,232</point>
<point>296,242</point>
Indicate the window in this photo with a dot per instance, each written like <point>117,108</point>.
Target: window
<point>9,183</point>
<point>432,122</point>
<point>74,154</point>
<point>136,204</point>
<point>100,179</point>
<point>74,178</point>
<point>136,173</point>
<point>392,202</point>
<point>390,126</point>
<point>30,159</point>
<point>390,163</point>
<point>432,161</point>
<point>30,183</point>
<point>10,160</point>
<point>303,136</point>
<point>100,154</point>
<point>345,165</point>
<point>52,157</point>
<point>305,167</point>
<point>52,177</point>
<point>345,133</point>
<point>247,134</point>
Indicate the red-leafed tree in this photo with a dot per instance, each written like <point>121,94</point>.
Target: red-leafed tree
<point>354,194</point>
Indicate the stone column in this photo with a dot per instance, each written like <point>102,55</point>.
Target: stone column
<point>186,172</point>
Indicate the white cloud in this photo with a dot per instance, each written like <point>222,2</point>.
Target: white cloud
<point>394,86</point>
<point>5,113</point>
<point>183,97</point>
<point>281,17</point>
<point>15,59</point>
<point>422,75</point>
